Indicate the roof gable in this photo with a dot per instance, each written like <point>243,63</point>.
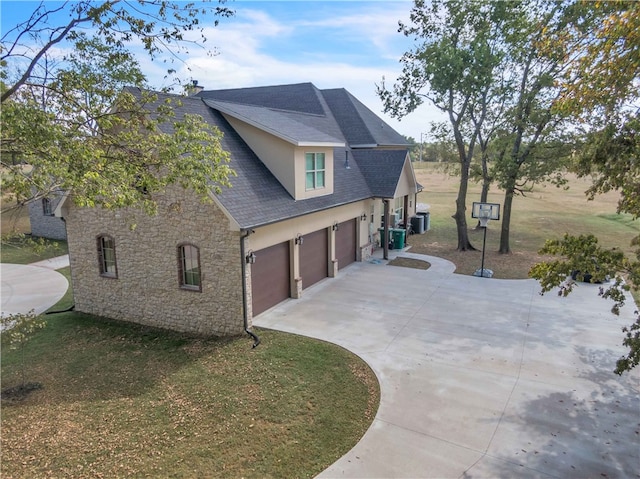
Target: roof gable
<point>381,169</point>
<point>360,126</point>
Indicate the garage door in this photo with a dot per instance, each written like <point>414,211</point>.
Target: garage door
<point>346,243</point>
<point>270,277</point>
<point>314,258</point>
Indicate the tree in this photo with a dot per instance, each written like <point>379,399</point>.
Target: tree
<point>458,56</point>
<point>603,94</point>
<point>73,127</point>
<point>414,148</point>
<point>539,49</point>
<point>160,25</point>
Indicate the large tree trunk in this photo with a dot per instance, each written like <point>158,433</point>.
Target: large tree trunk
<point>486,184</point>
<point>506,218</point>
<point>461,211</point>
<point>486,180</point>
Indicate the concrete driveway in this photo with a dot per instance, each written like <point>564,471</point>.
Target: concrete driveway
<point>35,286</point>
<point>480,378</point>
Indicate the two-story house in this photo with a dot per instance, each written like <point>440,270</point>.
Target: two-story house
<point>316,171</point>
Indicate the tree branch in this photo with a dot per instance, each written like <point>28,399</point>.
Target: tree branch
<point>41,53</point>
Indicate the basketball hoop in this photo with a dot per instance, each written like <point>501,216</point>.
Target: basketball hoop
<point>485,212</point>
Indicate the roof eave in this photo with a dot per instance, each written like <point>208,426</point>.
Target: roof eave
<point>365,145</point>
<point>277,133</point>
<point>320,144</point>
<point>298,215</point>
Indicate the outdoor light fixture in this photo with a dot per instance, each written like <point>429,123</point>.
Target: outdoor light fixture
<point>250,258</point>
<point>299,239</point>
<point>485,212</point>
<point>346,160</point>
<point>335,226</point>
<point>363,217</point>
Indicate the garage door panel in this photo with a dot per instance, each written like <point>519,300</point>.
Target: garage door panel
<point>346,243</point>
<point>270,278</point>
<point>314,258</point>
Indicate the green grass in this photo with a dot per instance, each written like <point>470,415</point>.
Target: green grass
<point>23,249</point>
<point>544,213</point>
<point>67,300</point>
<point>120,400</point>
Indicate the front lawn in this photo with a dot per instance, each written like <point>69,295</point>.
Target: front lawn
<point>119,400</point>
<point>25,249</point>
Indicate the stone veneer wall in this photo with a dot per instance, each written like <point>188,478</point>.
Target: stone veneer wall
<point>147,289</point>
<point>46,226</point>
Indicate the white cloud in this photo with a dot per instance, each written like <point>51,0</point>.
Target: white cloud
<point>244,60</point>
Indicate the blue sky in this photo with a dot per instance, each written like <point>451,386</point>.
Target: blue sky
<point>333,44</point>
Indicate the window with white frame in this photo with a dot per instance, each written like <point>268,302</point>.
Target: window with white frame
<point>314,170</point>
<point>107,256</point>
<point>189,266</point>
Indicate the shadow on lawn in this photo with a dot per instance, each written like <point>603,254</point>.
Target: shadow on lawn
<point>79,357</point>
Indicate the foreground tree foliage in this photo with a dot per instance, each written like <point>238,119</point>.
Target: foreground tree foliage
<point>612,156</point>
<point>68,124</point>
<point>605,95</point>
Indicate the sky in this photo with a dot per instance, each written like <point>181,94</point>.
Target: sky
<point>332,44</point>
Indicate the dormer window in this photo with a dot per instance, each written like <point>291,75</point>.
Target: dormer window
<point>315,171</point>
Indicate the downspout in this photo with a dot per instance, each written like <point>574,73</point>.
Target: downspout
<point>386,229</point>
<point>243,262</point>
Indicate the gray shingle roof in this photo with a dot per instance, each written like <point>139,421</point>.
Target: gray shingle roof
<point>300,97</point>
<point>361,127</point>
<point>295,128</point>
<point>381,169</point>
<point>303,114</point>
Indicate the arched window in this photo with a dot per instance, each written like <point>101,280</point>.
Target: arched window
<point>107,256</point>
<point>189,267</point>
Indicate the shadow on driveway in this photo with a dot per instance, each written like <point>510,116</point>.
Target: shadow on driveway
<point>479,378</point>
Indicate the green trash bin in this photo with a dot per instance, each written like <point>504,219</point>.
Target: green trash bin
<point>381,231</point>
<point>398,238</point>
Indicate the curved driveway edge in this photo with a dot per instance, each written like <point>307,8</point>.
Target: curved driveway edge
<point>27,287</point>
<point>479,377</point>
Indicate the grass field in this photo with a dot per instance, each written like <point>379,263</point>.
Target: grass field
<point>544,213</point>
<point>14,220</point>
<point>18,246</point>
<point>120,400</point>
<point>25,249</point>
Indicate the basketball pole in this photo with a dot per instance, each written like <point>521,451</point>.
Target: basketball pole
<point>484,243</point>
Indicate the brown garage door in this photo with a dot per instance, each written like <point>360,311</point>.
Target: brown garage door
<point>346,243</point>
<point>270,277</point>
<point>314,258</point>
